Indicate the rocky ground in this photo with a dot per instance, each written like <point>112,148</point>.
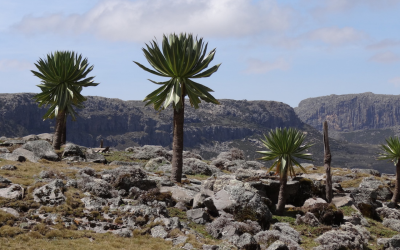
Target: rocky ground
<point>86,198</point>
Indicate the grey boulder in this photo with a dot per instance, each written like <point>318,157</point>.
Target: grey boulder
<point>50,194</point>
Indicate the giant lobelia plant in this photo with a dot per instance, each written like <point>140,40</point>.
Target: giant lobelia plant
<point>180,58</point>
<point>63,75</point>
<point>285,147</point>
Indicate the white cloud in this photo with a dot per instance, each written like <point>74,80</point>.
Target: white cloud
<point>327,6</point>
<point>386,43</point>
<point>336,36</point>
<point>385,57</point>
<point>141,20</point>
<point>395,81</point>
<point>9,64</point>
<point>256,66</point>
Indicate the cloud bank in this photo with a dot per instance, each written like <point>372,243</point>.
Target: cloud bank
<point>141,20</point>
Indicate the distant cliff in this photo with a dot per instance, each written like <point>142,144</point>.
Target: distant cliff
<point>351,112</point>
<point>209,130</point>
<point>127,123</point>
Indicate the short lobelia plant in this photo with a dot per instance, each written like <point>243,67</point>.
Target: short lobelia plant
<point>180,58</point>
<point>391,152</point>
<point>63,75</point>
<point>285,147</point>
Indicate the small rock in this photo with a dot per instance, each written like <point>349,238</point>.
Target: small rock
<point>10,211</point>
<point>198,215</point>
<point>312,201</point>
<point>278,245</point>
<point>159,232</point>
<point>8,167</point>
<point>50,194</point>
<point>179,240</point>
<point>188,246</point>
<point>14,191</point>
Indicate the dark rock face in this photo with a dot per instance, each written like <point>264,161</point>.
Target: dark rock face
<point>351,112</point>
<point>105,118</point>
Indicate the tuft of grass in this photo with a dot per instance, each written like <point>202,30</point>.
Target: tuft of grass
<point>199,177</point>
<point>8,231</point>
<point>347,210</point>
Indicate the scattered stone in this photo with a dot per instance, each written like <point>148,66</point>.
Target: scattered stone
<point>188,246</point>
<point>392,224</point>
<point>4,182</point>
<point>41,150</point>
<point>349,237</point>
<point>278,245</point>
<point>312,201</point>
<point>50,194</point>
<point>388,213</point>
<point>308,219</point>
<point>383,192</point>
<point>390,243</point>
<point>72,150</point>
<point>123,232</point>
<point>193,166</point>
<point>155,164</point>
<point>366,171</point>
<point>180,240</point>
<point>357,219</point>
<point>94,203</point>
<point>159,232</point>
<point>14,191</point>
<point>31,138</point>
<point>4,150</point>
<point>198,215</point>
<point>10,211</point>
<point>8,167</point>
<point>341,201</point>
<point>94,157</point>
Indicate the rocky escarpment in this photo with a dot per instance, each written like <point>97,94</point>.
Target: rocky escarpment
<point>351,112</point>
<point>128,123</point>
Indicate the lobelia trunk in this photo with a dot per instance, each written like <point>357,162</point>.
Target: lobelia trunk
<point>395,197</point>
<point>177,144</point>
<point>282,194</point>
<point>64,132</point>
<point>327,164</point>
<point>59,129</point>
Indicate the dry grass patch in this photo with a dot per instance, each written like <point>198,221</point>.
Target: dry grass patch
<point>81,240</point>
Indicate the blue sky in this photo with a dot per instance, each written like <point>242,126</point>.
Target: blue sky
<point>284,51</point>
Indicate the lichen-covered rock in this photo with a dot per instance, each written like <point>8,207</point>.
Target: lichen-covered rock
<point>356,219</point>
<point>388,213</point>
<point>245,241</point>
<point>94,157</point>
<point>94,203</point>
<point>159,232</point>
<point>223,227</point>
<point>278,245</point>
<point>392,224</point>
<point>41,150</point>
<point>14,191</point>
<point>282,232</point>
<point>312,201</point>
<point>365,201</point>
<point>390,243</point>
<point>383,192</point>
<point>198,215</point>
<point>4,182</point>
<point>155,163</point>
<point>148,152</point>
<point>348,237</point>
<point>193,166</point>
<point>8,167</point>
<point>50,194</point>
<point>126,177</point>
<point>72,150</point>
<point>95,186</point>
<point>366,171</point>
<point>241,199</point>
<point>308,219</point>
